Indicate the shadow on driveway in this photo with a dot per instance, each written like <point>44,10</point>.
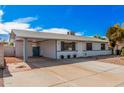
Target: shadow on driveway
<point>41,62</point>
<point>13,64</point>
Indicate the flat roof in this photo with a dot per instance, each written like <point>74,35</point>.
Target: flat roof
<point>46,35</point>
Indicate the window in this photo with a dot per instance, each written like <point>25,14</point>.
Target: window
<point>67,46</point>
<point>89,46</point>
<point>102,46</point>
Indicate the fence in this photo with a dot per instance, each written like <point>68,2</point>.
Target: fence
<point>1,56</point>
<point>9,51</point>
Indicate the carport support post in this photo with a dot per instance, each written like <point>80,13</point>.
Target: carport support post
<point>25,50</point>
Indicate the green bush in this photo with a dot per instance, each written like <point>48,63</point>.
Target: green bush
<point>11,44</point>
<point>122,52</point>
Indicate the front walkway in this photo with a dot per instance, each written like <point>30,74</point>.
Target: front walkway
<point>72,72</point>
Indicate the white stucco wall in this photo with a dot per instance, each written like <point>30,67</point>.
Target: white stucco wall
<point>30,53</point>
<point>18,48</point>
<point>80,46</point>
<point>52,49</point>
<point>81,50</point>
<point>65,53</point>
<point>48,48</point>
<point>95,53</point>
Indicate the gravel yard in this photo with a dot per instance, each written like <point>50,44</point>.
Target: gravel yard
<point>119,60</point>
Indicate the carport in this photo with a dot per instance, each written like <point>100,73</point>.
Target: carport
<point>38,48</point>
<point>32,44</point>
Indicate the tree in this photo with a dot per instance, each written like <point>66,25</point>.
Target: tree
<point>3,42</point>
<point>11,44</point>
<point>99,37</point>
<point>115,34</point>
<point>122,52</point>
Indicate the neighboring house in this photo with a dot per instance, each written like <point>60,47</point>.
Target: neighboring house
<point>56,46</point>
<point>118,47</point>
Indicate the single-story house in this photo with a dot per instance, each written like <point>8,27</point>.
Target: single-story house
<point>56,46</point>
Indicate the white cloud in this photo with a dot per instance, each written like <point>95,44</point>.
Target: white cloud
<point>25,20</point>
<point>56,30</point>
<point>20,23</point>
<point>61,31</point>
<point>5,28</point>
<point>79,33</point>
<point>15,25</point>
<point>23,23</point>
<point>38,28</point>
<point>1,15</point>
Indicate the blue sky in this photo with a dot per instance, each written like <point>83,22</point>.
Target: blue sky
<point>84,20</point>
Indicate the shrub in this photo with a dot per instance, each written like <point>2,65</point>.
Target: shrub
<point>11,44</point>
<point>122,52</point>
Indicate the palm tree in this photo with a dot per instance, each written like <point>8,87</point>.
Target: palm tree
<point>115,34</point>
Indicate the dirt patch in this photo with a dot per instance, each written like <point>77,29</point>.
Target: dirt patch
<point>21,66</point>
<point>11,60</point>
<point>14,64</point>
<point>114,60</point>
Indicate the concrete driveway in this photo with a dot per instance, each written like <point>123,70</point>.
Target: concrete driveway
<point>75,72</point>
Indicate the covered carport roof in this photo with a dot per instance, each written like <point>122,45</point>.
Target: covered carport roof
<point>45,35</point>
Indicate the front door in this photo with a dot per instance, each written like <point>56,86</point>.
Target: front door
<point>36,51</point>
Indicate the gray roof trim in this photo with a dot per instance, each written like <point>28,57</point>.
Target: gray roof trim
<point>45,35</point>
